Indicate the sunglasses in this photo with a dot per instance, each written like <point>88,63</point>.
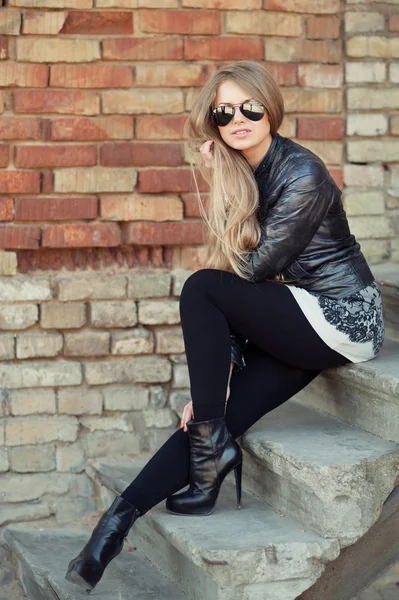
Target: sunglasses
<point>252,110</point>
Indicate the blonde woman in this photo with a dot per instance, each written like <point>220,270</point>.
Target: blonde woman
<point>285,293</point>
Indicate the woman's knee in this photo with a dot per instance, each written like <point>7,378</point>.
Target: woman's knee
<point>198,282</point>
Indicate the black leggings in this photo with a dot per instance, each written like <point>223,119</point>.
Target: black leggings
<point>282,356</point>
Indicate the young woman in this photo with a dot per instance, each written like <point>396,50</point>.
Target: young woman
<point>286,293</point>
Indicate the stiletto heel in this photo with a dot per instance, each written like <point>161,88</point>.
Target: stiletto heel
<point>238,475</point>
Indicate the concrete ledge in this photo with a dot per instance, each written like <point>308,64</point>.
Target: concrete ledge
<point>387,277</point>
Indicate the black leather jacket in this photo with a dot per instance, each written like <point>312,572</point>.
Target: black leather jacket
<point>305,233</point>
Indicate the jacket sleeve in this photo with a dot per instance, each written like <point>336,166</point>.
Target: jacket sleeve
<point>291,223</point>
<point>237,351</point>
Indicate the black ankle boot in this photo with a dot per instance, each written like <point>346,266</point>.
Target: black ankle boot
<point>213,454</point>
<point>105,543</point>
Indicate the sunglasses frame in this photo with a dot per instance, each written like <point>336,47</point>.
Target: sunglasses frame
<point>214,110</point>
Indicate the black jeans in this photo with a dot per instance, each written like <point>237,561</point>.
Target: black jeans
<point>282,356</point>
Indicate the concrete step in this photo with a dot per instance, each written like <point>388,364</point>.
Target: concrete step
<point>248,554</point>
<point>44,555</point>
<point>331,477</point>
<point>387,277</point>
<point>363,394</point>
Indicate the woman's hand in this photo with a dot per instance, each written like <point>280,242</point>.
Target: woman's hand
<point>206,152</point>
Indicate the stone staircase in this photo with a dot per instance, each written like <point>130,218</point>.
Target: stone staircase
<point>320,516</point>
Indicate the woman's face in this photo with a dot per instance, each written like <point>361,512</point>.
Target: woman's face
<point>257,132</point>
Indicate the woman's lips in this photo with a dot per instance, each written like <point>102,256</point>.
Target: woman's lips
<point>242,133</point>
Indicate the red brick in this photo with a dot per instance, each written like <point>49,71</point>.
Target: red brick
<point>319,128</point>
<point>185,22</point>
<point>219,48</point>
<point>19,237</point>
<point>98,22</point>
<point>394,22</point>
<point>48,101</point>
<point>160,128</point>
<point>47,182</point>
<point>3,48</point>
<point>319,28</point>
<point>162,75</point>
<point>19,128</point>
<point>6,209</point>
<point>284,74</point>
<point>140,154</point>
<point>338,176</point>
<point>19,182</point>
<point>191,205</point>
<point>68,76</point>
<point>303,6</point>
<point>152,234</point>
<point>56,209</point>
<point>81,235</point>
<point>22,75</point>
<point>169,180</point>
<point>1,102</point>
<point>33,157</point>
<point>144,48</point>
<point>99,128</point>
<point>4,155</point>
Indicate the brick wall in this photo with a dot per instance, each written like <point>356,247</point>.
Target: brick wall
<point>99,226</point>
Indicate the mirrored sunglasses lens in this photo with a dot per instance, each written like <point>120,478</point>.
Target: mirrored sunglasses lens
<point>223,115</point>
<point>253,111</point>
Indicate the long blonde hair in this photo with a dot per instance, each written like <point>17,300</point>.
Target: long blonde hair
<point>233,228</point>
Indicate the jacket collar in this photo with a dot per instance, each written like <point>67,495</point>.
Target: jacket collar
<point>267,160</point>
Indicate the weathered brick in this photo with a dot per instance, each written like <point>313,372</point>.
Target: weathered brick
<point>100,128</point>
<point>4,466</point>
<point>87,343</point>
<point>169,340</point>
<point>23,511</point>
<point>70,458</point>
<point>113,314</point>
<point>120,3</point>
<point>366,124</point>
<point>375,250</point>
<point>149,285</point>
<point>319,128</point>
<point>395,125</point>
<point>20,75</point>
<point>304,6</point>
<point>106,424</point>
<point>370,227</point>
<point>29,403</point>
<point>163,233</point>
<point>61,315</point>
<point>24,289</point>
<point>55,209</point>
<point>140,369</point>
<point>43,23</point>
<point>361,151</point>
<point>8,263</point>
<point>57,50</point>
<point>179,277</point>
<point>181,376</point>
<point>319,28</point>
<point>169,180</point>
<point>158,128</point>
<point>159,417</point>
<point>62,102</point>
<point>142,101</point>
<point>139,154</point>
<point>222,48</point>
<point>366,72</point>
<point>359,202</point>
<point>80,401</point>
<point>223,4</point>
<point>19,182</point>
<point>135,341</point>
<point>393,24</point>
<point>71,155</point>
<point>185,22</point>
<point>95,180</point>
<point>107,443</point>
<point>373,46</point>
<point>364,175</point>
<point>19,237</point>
<point>159,312</point>
<point>193,257</point>
<point>324,76</point>
<point>363,21</point>
<point>10,22</point>
<point>40,430</point>
<point>99,287</point>
<point>98,22</point>
<point>289,50</point>
<point>141,208</point>
<point>6,347</point>
<point>19,128</point>
<point>329,152</point>
<point>67,76</point>
<point>6,209</point>
<point>3,48</point>
<point>318,101</point>
<point>30,459</point>
<point>81,235</point>
<point>372,98</point>
<point>170,76</point>
<point>263,23</point>
<point>144,48</point>
<point>52,3</point>
<point>126,398</point>
<point>31,345</point>
<point>394,72</point>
